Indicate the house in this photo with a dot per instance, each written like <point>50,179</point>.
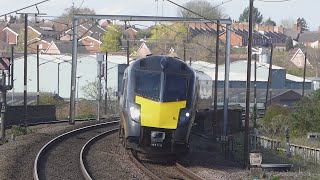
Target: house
<point>142,52</point>
<point>64,47</point>
<point>91,44</point>
<point>310,39</point>
<point>298,59</point>
<point>288,98</point>
<point>132,32</point>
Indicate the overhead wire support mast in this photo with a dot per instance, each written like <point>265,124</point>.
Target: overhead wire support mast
<point>23,8</point>
<point>246,135</point>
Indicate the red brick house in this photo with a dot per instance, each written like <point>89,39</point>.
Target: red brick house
<point>91,44</point>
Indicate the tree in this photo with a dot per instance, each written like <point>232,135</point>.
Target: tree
<point>302,23</point>
<point>289,44</point>
<point>201,7</point>
<point>67,15</point>
<point>111,40</point>
<point>167,36</point>
<point>144,33</point>
<point>257,16</point>
<point>306,116</point>
<point>269,22</point>
<point>287,23</point>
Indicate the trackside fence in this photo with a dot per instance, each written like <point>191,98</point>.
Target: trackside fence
<point>307,153</point>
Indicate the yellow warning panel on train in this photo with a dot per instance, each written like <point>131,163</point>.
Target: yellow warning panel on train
<point>159,114</point>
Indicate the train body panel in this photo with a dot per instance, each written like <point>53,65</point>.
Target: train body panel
<point>159,114</point>
<point>157,103</point>
<point>205,91</point>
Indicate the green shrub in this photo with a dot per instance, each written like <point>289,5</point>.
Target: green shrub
<point>17,130</point>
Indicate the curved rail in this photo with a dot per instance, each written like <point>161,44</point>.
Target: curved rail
<point>179,167</point>
<point>59,139</point>
<point>187,172</point>
<point>85,149</point>
<point>141,166</point>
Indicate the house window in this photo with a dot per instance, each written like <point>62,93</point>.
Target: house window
<point>91,44</point>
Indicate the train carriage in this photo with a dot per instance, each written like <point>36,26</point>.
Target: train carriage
<point>157,103</point>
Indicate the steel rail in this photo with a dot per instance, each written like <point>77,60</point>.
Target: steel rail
<point>60,138</point>
<point>187,172</point>
<point>85,150</point>
<point>141,166</point>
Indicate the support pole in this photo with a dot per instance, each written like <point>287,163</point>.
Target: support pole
<point>246,135</point>
<point>3,105</point>
<point>269,81</point>
<point>99,91</point>
<point>58,79</point>
<point>184,53</point>
<point>127,36</point>
<point>255,105</point>
<point>255,93</point>
<point>25,73</point>
<point>215,106</point>
<point>38,80</point>
<point>226,83</point>
<point>106,86</point>
<point>12,67</point>
<point>73,71</point>
<point>304,72</point>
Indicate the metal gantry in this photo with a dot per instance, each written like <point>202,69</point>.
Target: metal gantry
<point>128,18</point>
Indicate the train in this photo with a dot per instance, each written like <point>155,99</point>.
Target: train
<point>158,104</point>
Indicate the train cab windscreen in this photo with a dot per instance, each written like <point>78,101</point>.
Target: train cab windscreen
<point>148,84</point>
<point>175,87</point>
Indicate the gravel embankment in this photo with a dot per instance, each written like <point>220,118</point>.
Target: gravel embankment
<point>107,159</point>
<point>17,157</point>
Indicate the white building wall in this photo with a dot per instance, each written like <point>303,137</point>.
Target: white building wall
<point>48,70</point>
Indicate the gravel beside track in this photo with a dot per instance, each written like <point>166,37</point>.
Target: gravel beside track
<point>17,156</point>
<point>107,159</point>
<point>62,160</point>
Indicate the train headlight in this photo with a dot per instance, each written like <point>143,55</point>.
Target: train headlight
<point>184,117</point>
<point>135,113</point>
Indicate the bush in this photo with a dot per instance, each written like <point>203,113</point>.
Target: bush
<point>18,130</point>
<point>273,111</point>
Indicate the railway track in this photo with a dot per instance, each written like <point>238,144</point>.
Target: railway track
<point>163,171</point>
<point>59,158</point>
<point>85,150</point>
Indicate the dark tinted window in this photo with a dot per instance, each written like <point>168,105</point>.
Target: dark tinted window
<point>148,84</point>
<point>175,88</point>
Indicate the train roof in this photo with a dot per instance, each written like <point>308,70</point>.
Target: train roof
<point>157,63</point>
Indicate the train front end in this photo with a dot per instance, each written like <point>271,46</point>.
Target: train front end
<point>160,105</point>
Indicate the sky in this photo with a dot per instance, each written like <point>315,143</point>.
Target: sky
<point>277,11</point>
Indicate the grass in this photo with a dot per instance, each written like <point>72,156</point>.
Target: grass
<point>277,157</point>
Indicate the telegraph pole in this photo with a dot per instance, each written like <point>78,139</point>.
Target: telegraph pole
<point>99,90</point>
<point>106,86</point>
<point>3,105</point>
<point>215,106</point>
<point>269,81</point>
<point>246,135</point>
<point>73,70</point>
<point>38,81</point>
<point>25,70</point>
<point>304,72</point>
<point>125,27</point>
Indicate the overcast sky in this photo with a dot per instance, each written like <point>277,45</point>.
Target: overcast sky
<point>275,10</point>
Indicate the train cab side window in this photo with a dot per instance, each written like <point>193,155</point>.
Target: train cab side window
<point>123,85</point>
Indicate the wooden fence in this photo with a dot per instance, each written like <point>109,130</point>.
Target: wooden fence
<point>307,153</point>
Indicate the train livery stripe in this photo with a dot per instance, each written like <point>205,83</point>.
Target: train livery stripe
<point>159,114</point>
